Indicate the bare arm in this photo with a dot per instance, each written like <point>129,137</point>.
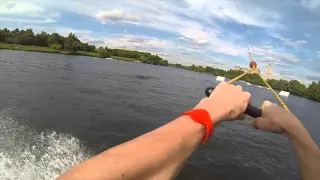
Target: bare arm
<point>278,120</point>
<point>306,149</point>
<point>160,154</point>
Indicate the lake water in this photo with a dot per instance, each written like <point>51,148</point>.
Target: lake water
<point>57,110</point>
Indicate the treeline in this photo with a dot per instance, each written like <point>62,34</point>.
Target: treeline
<point>72,45</point>
<point>294,87</point>
<point>144,57</point>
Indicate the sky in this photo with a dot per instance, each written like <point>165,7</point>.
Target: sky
<point>202,32</point>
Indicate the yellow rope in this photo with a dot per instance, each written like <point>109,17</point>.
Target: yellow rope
<point>274,93</point>
<point>238,77</point>
<point>270,88</point>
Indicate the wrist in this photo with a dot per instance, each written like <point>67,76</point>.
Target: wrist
<point>289,126</point>
<point>216,111</point>
<point>188,126</point>
<point>202,116</point>
<point>217,115</point>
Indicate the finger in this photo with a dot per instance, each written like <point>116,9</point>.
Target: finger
<point>263,124</point>
<point>247,96</point>
<point>241,117</point>
<point>266,104</point>
<point>223,83</point>
<point>239,87</point>
<point>256,123</point>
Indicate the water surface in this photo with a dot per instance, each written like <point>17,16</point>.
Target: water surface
<point>57,110</point>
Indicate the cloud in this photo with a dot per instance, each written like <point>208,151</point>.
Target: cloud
<point>61,30</point>
<point>199,36</point>
<point>135,42</point>
<point>313,77</point>
<point>283,65</point>
<point>94,42</point>
<point>117,16</point>
<point>193,44</point>
<point>289,42</point>
<point>198,25</point>
<point>30,21</point>
<point>310,4</point>
<point>22,8</point>
<point>273,55</point>
<point>186,53</point>
<point>26,12</point>
<point>286,75</point>
<point>282,75</point>
<point>307,35</point>
<point>310,60</point>
<point>318,53</point>
<point>226,10</point>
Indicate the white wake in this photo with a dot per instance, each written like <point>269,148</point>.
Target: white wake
<point>24,154</point>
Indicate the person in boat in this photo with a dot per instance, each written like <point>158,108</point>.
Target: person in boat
<point>161,153</point>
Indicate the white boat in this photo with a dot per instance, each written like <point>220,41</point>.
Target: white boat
<point>109,58</point>
<point>249,83</point>
<point>284,93</point>
<point>220,78</point>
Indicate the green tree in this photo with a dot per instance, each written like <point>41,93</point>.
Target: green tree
<point>25,37</point>
<point>163,63</point>
<point>72,43</point>
<point>107,49</point>
<point>56,46</point>
<point>296,88</point>
<point>15,32</point>
<point>54,38</point>
<point>103,53</point>
<point>193,67</point>
<point>92,48</point>
<point>75,46</point>
<point>41,39</point>
<point>143,59</point>
<point>2,36</point>
<point>6,34</point>
<point>86,47</point>
<point>313,91</point>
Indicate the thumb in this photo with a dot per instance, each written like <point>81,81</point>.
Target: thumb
<point>257,123</point>
<point>264,124</point>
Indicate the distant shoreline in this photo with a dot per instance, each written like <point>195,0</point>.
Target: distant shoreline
<point>19,47</point>
<point>93,54</point>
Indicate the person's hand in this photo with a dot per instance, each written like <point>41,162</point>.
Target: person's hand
<point>226,102</point>
<point>274,118</point>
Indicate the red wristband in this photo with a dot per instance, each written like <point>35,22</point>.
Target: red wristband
<point>202,116</point>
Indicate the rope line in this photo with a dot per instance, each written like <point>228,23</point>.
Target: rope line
<point>254,70</point>
<point>274,93</point>
<point>237,78</point>
<point>246,28</point>
<point>266,83</point>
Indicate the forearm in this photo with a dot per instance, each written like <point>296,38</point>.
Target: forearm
<point>306,149</point>
<point>164,152</point>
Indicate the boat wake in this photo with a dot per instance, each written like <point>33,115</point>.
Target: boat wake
<point>25,154</point>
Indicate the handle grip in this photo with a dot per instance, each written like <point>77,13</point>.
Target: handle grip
<point>251,110</point>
